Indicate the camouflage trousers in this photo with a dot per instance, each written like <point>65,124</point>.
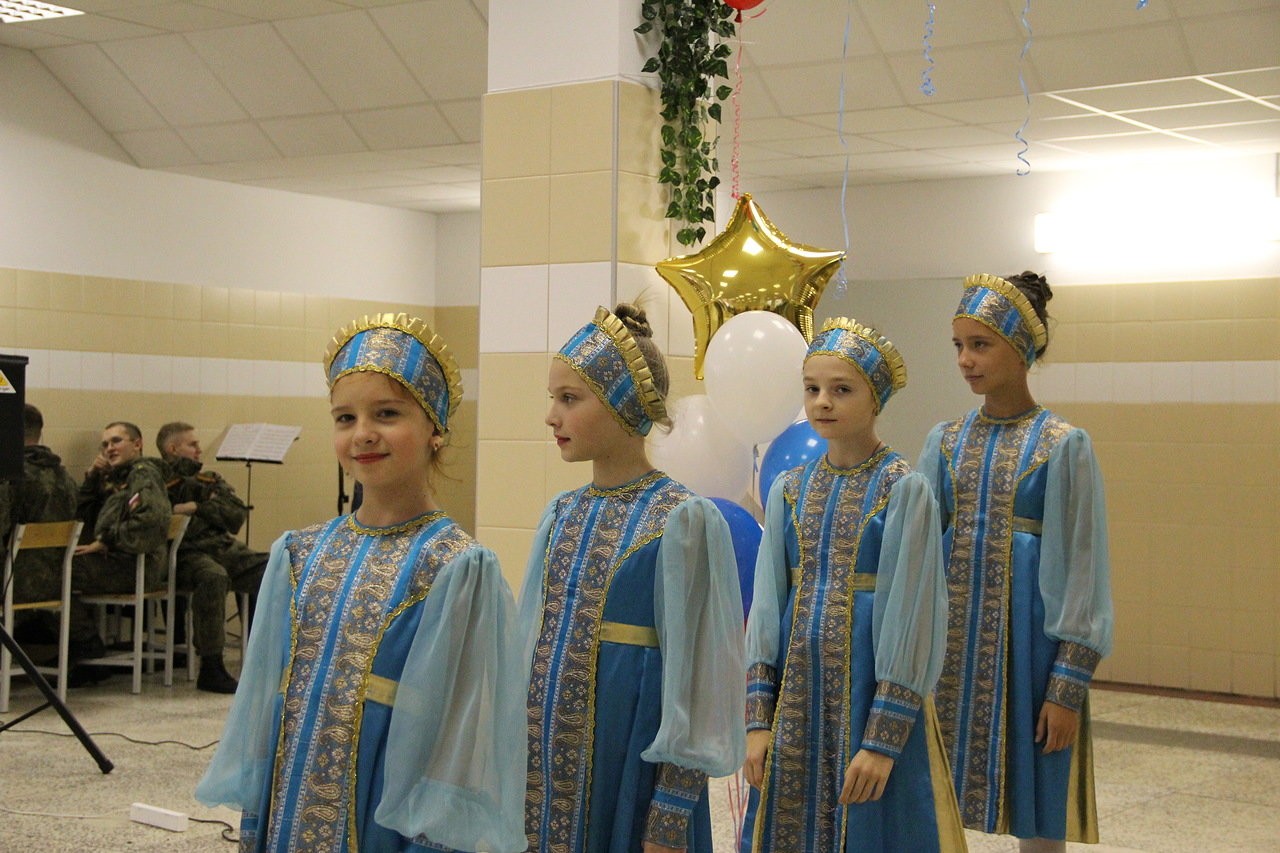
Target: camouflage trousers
<point>209,579</point>
<point>111,572</point>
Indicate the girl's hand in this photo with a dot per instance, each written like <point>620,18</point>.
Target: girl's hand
<point>757,748</point>
<point>866,777</point>
<point>1056,727</point>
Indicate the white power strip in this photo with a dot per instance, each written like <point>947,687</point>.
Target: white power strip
<point>156,816</point>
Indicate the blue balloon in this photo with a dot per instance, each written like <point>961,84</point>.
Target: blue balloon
<point>798,445</point>
<point>746,532</point>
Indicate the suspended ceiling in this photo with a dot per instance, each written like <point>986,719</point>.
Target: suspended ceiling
<point>379,100</point>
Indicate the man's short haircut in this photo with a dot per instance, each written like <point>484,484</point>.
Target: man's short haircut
<point>132,429</point>
<point>32,423</point>
<point>167,433</point>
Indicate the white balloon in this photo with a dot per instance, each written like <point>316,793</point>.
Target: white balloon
<point>700,451</point>
<point>753,368</point>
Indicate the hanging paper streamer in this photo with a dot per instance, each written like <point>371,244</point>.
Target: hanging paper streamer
<point>1142,4</point>
<point>1026,95</point>
<point>841,277</point>
<point>736,159</point>
<point>738,792</point>
<point>926,76</point>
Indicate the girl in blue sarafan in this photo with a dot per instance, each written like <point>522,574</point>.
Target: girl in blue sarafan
<point>1028,579</point>
<point>633,618</point>
<point>847,630</point>
<point>380,707</point>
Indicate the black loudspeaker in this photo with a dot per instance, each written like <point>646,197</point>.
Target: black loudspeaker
<point>13,373</point>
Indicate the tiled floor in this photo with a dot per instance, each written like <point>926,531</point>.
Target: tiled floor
<point>1173,774</point>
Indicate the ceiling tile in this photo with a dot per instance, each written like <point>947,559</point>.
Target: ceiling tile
<point>1068,128</point>
<point>1082,16</point>
<point>795,166</point>
<point>755,100</point>
<point>1264,83</point>
<point>976,72</point>
<point>439,175</point>
<point>1265,132</point>
<point>100,86</point>
<point>154,149</point>
<point>871,121</point>
<point>467,154</point>
<point>812,30</point>
<point>1252,36</point>
<point>829,146</point>
<point>178,17</point>
<point>767,184</point>
<point>1113,56</point>
<point>1193,8</point>
<point>228,143</point>
<point>351,60</point>
<point>1229,112</point>
<point>1153,94</point>
<point>766,129</point>
<point>899,26</point>
<point>402,127</point>
<point>444,43</point>
<point>273,10</point>
<point>464,118</point>
<point>15,35</point>
<point>307,135</point>
<point>1133,143</point>
<point>799,89</point>
<point>258,68</point>
<point>989,110</point>
<point>90,28</point>
<point>173,79</point>
<point>939,137</point>
<point>92,6</point>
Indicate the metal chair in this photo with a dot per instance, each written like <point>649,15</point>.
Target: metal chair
<point>147,607</point>
<point>28,537</point>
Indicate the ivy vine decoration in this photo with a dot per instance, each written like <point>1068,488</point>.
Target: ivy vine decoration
<point>691,57</point>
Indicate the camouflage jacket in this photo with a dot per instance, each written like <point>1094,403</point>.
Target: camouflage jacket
<point>219,511</point>
<point>45,493</point>
<point>127,506</point>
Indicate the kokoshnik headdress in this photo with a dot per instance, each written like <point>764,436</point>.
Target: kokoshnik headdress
<point>405,349</point>
<point>870,353</point>
<point>605,354</point>
<point>1004,309</point>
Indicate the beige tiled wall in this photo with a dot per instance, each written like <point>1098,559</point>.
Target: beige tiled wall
<point>149,352</point>
<point>1178,384</point>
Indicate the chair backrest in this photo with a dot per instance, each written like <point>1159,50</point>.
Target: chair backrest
<point>177,529</point>
<point>48,534</point>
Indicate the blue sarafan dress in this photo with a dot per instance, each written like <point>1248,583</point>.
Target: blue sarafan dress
<point>1030,615</point>
<point>633,616</point>
<point>380,706</point>
<point>844,644</point>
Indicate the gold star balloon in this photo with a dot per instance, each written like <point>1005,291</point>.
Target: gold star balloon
<point>749,266</point>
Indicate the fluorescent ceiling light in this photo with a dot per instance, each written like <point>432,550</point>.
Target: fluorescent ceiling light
<point>16,11</point>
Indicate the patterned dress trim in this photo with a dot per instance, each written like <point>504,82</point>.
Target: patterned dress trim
<point>762,695</point>
<point>893,712</point>
<point>594,533</point>
<point>830,508</point>
<point>987,459</point>
<point>361,582</point>
<point>675,795</point>
<point>1072,671</point>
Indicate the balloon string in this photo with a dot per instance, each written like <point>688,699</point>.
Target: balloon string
<point>926,76</point>
<point>736,159</point>
<point>842,277</point>
<point>737,807</point>
<point>1026,95</point>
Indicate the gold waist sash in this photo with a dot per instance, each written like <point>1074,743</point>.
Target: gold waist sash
<point>1033,526</point>
<point>629,635</point>
<point>862,581</point>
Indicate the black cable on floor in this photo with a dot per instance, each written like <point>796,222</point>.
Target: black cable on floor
<point>226,836</point>
<point>120,735</point>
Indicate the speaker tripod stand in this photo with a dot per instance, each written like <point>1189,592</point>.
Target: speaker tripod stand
<point>51,701</point>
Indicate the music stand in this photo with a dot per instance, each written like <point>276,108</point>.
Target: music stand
<point>12,381</point>
<point>249,443</point>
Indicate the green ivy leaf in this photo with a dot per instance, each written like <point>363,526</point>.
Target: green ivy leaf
<point>652,64</point>
<point>687,236</point>
<point>723,92</point>
<point>714,111</point>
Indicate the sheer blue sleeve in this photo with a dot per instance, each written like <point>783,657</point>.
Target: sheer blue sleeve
<point>909,618</point>
<point>932,466</point>
<point>456,746</point>
<point>769,598</point>
<point>698,614</point>
<point>238,774</point>
<point>1075,570</point>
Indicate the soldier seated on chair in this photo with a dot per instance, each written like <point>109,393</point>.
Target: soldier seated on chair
<point>211,559</point>
<point>123,502</point>
<point>46,492</point>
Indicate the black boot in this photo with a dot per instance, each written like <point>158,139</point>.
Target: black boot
<point>214,676</point>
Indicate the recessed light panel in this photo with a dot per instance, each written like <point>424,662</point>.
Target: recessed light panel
<point>16,11</point>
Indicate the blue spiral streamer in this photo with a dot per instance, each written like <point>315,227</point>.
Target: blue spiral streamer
<point>1142,4</point>
<point>926,76</point>
<point>1026,95</point>
<point>841,277</point>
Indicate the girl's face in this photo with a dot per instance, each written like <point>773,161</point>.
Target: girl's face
<point>584,428</point>
<point>837,400</point>
<point>380,434</point>
<point>986,360</point>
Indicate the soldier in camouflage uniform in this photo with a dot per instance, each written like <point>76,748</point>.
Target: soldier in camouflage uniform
<point>46,492</point>
<point>210,560</point>
<point>123,501</point>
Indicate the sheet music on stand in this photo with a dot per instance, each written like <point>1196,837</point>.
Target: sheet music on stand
<point>257,443</point>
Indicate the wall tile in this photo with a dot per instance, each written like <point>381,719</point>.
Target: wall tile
<point>516,140</point>
<point>582,129</point>
<point>215,305</point>
<point>581,217</point>
<point>513,308</point>
<point>32,289</point>
<point>1253,674</point>
<point>157,374</point>
<point>512,547</point>
<point>575,291</point>
<point>640,129</point>
<point>8,287</point>
<point>509,483</point>
<point>644,232</point>
<point>513,221</point>
<point>513,396</point>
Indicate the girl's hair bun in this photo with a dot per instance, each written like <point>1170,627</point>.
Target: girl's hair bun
<point>634,318</point>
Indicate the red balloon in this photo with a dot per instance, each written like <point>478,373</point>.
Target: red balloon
<point>743,5</point>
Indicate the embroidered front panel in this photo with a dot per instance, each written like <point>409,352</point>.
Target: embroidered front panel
<point>594,533</point>
<point>348,586</point>
<point>811,743</point>
<point>987,459</point>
